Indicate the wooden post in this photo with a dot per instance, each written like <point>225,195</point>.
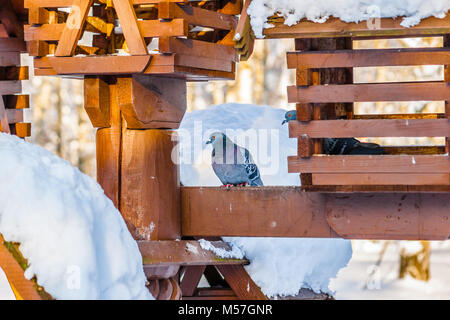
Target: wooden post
<point>447,79</point>
<point>134,165</point>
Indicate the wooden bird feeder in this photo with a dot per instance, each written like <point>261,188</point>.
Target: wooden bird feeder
<point>135,57</point>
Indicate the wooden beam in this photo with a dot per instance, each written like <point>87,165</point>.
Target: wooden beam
<point>106,65</point>
<point>374,164</point>
<point>334,27</point>
<point>241,283</point>
<point>135,41</point>
<point>290,212</point>
<point>4,123</point>
<point>190,280</point>
<point>183,252</point>
<point>371,128</point>
<point>196,16</point>
<point>73,28</point>
<point>10,87</point>
<point>368,58</point>
<point>365,92</point>
<point>379,179</point>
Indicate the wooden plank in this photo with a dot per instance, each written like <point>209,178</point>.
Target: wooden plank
<point>335,27</point>
<point>68,3</point>
<point>365,92</point>
<point>4,123</point>
<point>366,164</point>
<point>183,252</point>
<point>197,48</point>
<point>196,16</point>
<point>48,32</point>
<point>203,63</point>
<point>381,179</point>
<point>73,28</point>
<point>14,73</point>
<point>290,212</point>
<point>21,129</point>
<point>23,289</point>
<point>152,102</point>
<point>20,101</point>
<point>370,128</point>
<point>413,150</point>
<point>155,28</point>
<point>99,64</point>
<point>96,101</point>
<point>229,214</point>
<point>149,184</point>
<point>135,41</point>
<point>368,58</point>
<point>190,280</point>
<point>241,283</point>
<point>399,116</point>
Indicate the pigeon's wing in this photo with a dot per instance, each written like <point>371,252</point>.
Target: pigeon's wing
<point>339,146</point>
<point>252,170</point>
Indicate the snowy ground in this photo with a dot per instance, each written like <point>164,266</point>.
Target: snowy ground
<point>385,284</point>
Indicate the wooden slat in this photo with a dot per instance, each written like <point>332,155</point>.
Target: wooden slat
<point>191,278</point>
<point>24,289</point>
<point>366,164</point>
<point>365,92</point>
<point>196,16</point>
<point>99,65</point>
<point>335,27</point>
<point>368,58</point>
<point>4,123</point>
<point>399,116</point>
<point>370,128</point>
<point>20,101</point>
<point>381,179</point>
<point>185,253</point>
<point>21,129</point>
<point>130,28</point>
<point>197,48</point>
<point>68,3</point>
<point>413,150</point>
<point>241,283</point>
<point>289,212</point>
<point>149,29</point>
<point>155,28</point>
<point>73,28</point>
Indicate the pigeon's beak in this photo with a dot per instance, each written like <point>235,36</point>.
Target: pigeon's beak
<point>284,121</point>
<point>208,142</point>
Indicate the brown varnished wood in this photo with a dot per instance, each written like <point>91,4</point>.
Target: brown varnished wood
<point>152,102</point>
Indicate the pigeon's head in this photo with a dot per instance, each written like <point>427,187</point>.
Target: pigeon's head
<point>290,115</point>
<point>216,138</point>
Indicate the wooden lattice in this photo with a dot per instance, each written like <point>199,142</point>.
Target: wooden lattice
<point>324,95</point>
<point>188,39</point>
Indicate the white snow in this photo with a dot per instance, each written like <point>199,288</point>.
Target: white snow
<point>75,240</point>
<point>412,11</point>
<point>279,266</point>
<point>235,252</point>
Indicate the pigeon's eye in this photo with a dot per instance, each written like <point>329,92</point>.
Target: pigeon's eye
<point>289,115</point>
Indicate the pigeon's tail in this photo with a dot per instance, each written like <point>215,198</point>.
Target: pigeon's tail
<point>368,149</point>
<point>257,182</point>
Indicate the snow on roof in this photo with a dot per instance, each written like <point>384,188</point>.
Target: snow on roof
<point>75,240</point>
<point>279,266</point>
<point>412,11</point>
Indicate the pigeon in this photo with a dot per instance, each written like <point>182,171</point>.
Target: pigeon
<point>343,146</point>
<point>233,165</point>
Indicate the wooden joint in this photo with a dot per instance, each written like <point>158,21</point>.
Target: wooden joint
<point>305,146</point>
<point>97,101</point>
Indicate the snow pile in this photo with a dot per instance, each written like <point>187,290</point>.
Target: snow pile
<point>235,252</point>
<point>75,240</point>
<point>279,266</point>
<point>293,11</point>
